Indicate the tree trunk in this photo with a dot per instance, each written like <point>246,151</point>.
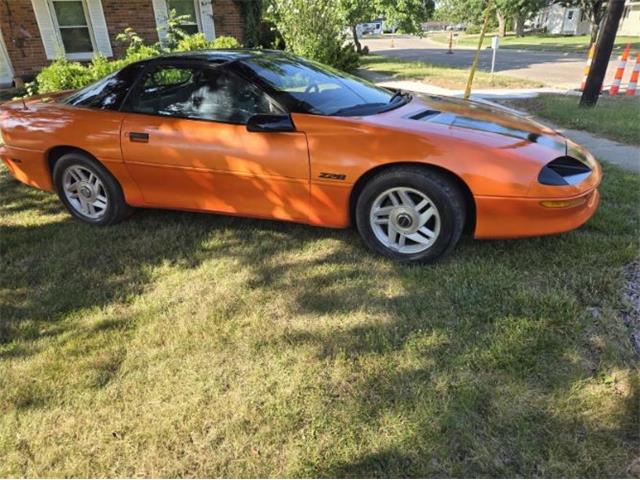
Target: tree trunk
<point>356,41</point>
<point>502,23</point>
<point>518,21</point>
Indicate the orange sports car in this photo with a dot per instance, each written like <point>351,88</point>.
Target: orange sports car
<point>270,135</point>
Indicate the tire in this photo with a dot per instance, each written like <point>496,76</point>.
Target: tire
<point>425,207</point>
<point>89,191</point>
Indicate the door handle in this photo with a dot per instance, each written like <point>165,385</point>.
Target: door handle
<point>139,137</point>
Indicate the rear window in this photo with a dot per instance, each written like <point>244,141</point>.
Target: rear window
<point>107,93</point>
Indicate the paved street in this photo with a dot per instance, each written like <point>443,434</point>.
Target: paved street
<point>554,69</point>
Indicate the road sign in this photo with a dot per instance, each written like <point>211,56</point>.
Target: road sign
<point>495,44</point>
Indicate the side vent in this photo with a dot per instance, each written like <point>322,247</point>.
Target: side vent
<point>564,171</point>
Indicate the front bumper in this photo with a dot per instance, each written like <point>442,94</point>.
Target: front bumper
<point>27,166</point>
<point>501,217</point>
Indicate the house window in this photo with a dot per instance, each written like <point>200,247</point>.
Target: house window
<point>187,8</point>
<point>570,15</point>
<point>71,19</point>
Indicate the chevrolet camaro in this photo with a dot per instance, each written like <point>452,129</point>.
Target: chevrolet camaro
<point>269,135</point>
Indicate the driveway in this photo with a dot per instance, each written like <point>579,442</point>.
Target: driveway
<point>563,70</point>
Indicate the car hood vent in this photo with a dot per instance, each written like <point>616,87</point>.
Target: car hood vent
<point>564,171</point>
<point>424,114</point>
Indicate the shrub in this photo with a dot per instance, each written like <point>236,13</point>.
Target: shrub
<point>62,75</point>
<point>198,42</point>
<point>314,29</point>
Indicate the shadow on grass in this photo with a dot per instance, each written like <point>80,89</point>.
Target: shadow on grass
<point>492,332</point>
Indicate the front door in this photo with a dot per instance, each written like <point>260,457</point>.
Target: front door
<point>186,145</point>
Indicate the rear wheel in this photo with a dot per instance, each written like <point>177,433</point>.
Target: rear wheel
<point>411,214</point>
<point>88,190</point>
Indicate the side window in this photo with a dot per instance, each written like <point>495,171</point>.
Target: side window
<point>168,77</point>
<point>200,93</point>
<point>108,93</point>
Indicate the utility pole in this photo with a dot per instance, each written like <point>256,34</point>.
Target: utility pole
<point>604,47</point>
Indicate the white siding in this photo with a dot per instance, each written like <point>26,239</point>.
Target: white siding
<point>99,26</point>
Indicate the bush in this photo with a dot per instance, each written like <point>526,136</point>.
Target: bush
<point>314,29</point>
<point>199,42</point>
<point>63,74</point>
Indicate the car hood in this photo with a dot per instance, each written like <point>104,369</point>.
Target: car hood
<point>479,119</point>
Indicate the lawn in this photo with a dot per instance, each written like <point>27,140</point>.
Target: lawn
<point>615,117</point>
<point>542,42</point>
<point>189,345</point>
<point>446,77</point>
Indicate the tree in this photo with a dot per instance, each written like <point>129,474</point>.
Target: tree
<point>314,29</point>
<point>460,11</point>
<point>406,14</point>
<point>520,10</point>
<point>594,9</point>
<point>355,12</point>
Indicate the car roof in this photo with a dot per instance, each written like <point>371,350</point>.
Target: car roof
<point>215,56</point>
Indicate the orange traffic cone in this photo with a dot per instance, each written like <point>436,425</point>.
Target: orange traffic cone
<point>587,67</point>
<point>633,83</point>
<point>615,87</point>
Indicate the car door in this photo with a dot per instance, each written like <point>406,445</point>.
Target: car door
<point>185,142</point>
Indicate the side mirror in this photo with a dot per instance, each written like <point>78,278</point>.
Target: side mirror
<point>270,123</point>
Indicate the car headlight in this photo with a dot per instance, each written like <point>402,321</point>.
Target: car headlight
<point>564,171</point>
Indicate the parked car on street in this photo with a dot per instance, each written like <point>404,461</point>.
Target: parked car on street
<point>266,134</point>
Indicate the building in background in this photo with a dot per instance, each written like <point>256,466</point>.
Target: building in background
<point>35,32</point>
<point>558,20</point>
<point>630,22</point>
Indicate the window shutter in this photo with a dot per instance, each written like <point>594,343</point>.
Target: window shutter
<point>6,72</point>
<point>50,41</point>
<point>99,25</point>
<point>161,13</point>
<point>206,17</point>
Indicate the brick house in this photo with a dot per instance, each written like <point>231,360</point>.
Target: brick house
<point>34,32</point>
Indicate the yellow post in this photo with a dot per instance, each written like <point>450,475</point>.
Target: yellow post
<point>476,59</point>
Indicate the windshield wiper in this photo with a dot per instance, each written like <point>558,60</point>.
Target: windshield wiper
<point>356,108</point>
<point>398,94</point>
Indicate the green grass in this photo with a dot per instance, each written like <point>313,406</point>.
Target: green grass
<point>542,42</point>
<point>446,77</point>
<point>187,345</point>
<point>615,117</point>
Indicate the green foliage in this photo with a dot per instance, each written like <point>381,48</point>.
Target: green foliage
<point>314,29</point>
<point>199,42</point>
<point>63,74</point>
<point>174,31</point>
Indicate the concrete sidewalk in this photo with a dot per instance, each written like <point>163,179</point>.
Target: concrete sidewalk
<point>620,154</point>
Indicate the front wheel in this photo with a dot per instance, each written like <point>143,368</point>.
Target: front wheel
<point>411,214</point>
<point>88,190</point>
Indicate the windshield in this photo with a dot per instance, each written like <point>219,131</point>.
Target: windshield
<point>315,88</point>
